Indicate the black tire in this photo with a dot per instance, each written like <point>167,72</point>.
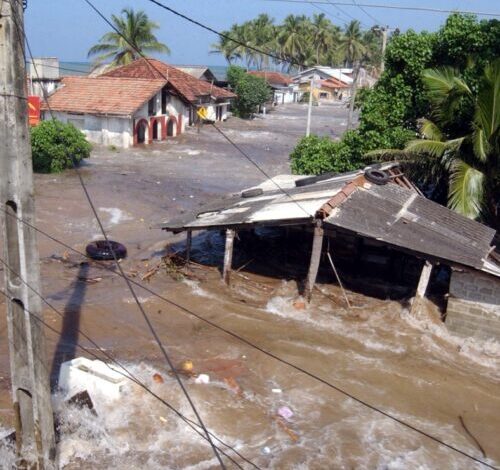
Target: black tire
<point>252,192</point>
<point>100,250</point>
<point>315,179</point>
<point>377,176</point>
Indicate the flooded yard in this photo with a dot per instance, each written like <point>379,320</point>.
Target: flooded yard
<point>407,366</point>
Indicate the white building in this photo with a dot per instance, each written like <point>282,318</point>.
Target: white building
<point>284,89</point>
<point>139,103</point>
<point>43,75</point>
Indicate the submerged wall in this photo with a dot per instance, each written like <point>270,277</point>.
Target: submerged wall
<point>474,305</point>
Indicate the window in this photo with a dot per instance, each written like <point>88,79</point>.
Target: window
<point>152,106</point>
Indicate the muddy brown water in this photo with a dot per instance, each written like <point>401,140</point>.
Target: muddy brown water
<point>409,366</point>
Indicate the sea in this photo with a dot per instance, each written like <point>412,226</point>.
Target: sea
<point>83,68</point>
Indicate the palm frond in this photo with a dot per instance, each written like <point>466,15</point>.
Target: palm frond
<point>429,130</point>
<point>466,189</point>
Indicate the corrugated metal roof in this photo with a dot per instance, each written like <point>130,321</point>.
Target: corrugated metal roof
<point>400,217</point>
<point>393,213</point>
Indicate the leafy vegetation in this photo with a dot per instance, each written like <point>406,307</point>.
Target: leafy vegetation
<point>56,146</point>
<point>252,91</point>
<point>460,146</point>
<point>138,29</point>
<point>391,114</point>
<point>300,41</point>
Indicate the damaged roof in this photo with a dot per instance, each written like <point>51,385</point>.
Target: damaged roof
<point>396,214</point>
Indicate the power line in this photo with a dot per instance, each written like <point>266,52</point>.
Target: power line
<point>389,7</point>
<point>83,72</point>
<point>259,348</point>
<point>126,372</point>
<point>365,12</point>
<point>127,281</point>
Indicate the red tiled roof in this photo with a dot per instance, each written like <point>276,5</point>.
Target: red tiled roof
<point>186,85</point>
<point>103,95</point>
<point>275,78</point>
<point>334,83</point>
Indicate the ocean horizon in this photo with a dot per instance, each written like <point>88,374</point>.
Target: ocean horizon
<point>83,68</point>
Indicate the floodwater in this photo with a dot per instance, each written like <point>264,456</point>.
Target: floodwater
<point>408,366</point>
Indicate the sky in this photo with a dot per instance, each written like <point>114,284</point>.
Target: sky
<point>68,28</point>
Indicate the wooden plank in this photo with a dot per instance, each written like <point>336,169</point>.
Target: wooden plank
<point>228,256</point>
<point>315,259</point>
<point>189,237</point>
<point>422,286</point>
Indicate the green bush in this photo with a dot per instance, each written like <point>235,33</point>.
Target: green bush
<point>57,146</point>
<point>314,155</point>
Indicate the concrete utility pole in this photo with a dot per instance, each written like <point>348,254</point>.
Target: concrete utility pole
<point>35,441</point>
<point>309,108</point>
<point>384,45</point>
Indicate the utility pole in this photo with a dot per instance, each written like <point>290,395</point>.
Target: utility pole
<point>384,30</point>
<point>35,441</point>
<point>309,109</point>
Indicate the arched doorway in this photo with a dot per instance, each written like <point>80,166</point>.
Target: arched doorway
<point>156,132</point>
<point>171,125</point>
<point>141,131</point>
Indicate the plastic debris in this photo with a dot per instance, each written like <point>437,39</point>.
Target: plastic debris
<point>285,412</point>
<point>202,379</point>
<point>158,378</point>
<point>276,390</point>
<point>163,420</point>
<point>266,450</point>
<point>299,304</point>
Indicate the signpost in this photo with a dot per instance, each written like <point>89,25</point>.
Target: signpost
<point>34,107</point>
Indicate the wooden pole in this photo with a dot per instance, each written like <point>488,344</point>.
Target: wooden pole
<point>315,259</point>
<point>29,373</point>
<point>228,256</point>
<point>422,286</point>
<point>189,236</point>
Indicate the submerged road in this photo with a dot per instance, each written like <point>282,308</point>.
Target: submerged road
<point>410,367</point>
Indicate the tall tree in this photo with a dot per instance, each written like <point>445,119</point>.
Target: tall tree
<point>351,44</point>
<point>324,35</point>
<point>138,29</point>
<point>292,38</point>
<point>462,139</point>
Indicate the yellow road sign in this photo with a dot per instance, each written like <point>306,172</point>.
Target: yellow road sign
<point>202,113</point>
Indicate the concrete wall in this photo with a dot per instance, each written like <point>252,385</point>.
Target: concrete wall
<point>104,130</point>
<point>474,305</point>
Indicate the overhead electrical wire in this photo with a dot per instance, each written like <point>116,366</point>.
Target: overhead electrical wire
<point>115,258</point>
<point>365,12</point>
<point>244,340</point>
<point>389,7</point>
<point>125,372</point>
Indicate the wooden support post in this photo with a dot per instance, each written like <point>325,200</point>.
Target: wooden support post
<point>228,256</point>
<point>315,259</point>
<point>422,286</point>
<point>189,236</point>
<point>35,440</point>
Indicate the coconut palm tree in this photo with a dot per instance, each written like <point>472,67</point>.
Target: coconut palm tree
<point>293,38</point>
<point>461,141</point>
<point>226,47</point>
<point>351,44</point>
<point>323,35</point>
<point>138,29</point>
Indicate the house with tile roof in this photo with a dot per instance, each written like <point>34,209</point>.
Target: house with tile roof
<point>139,103</point>
<point>284,89</point>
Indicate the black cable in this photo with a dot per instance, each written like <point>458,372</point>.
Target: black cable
<point>261,349</point>
<point>390,7</point>
<point>127,281</point>
<point>127,373</point>
<point>366,13</point>
<point>82,72</point>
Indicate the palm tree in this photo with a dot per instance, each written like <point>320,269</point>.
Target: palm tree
<point>293,38</point>
<point>138,31</point>
<point>226,47</point>
<point>324,36</point>
<point>351,44</point>
<point>462,141</point>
